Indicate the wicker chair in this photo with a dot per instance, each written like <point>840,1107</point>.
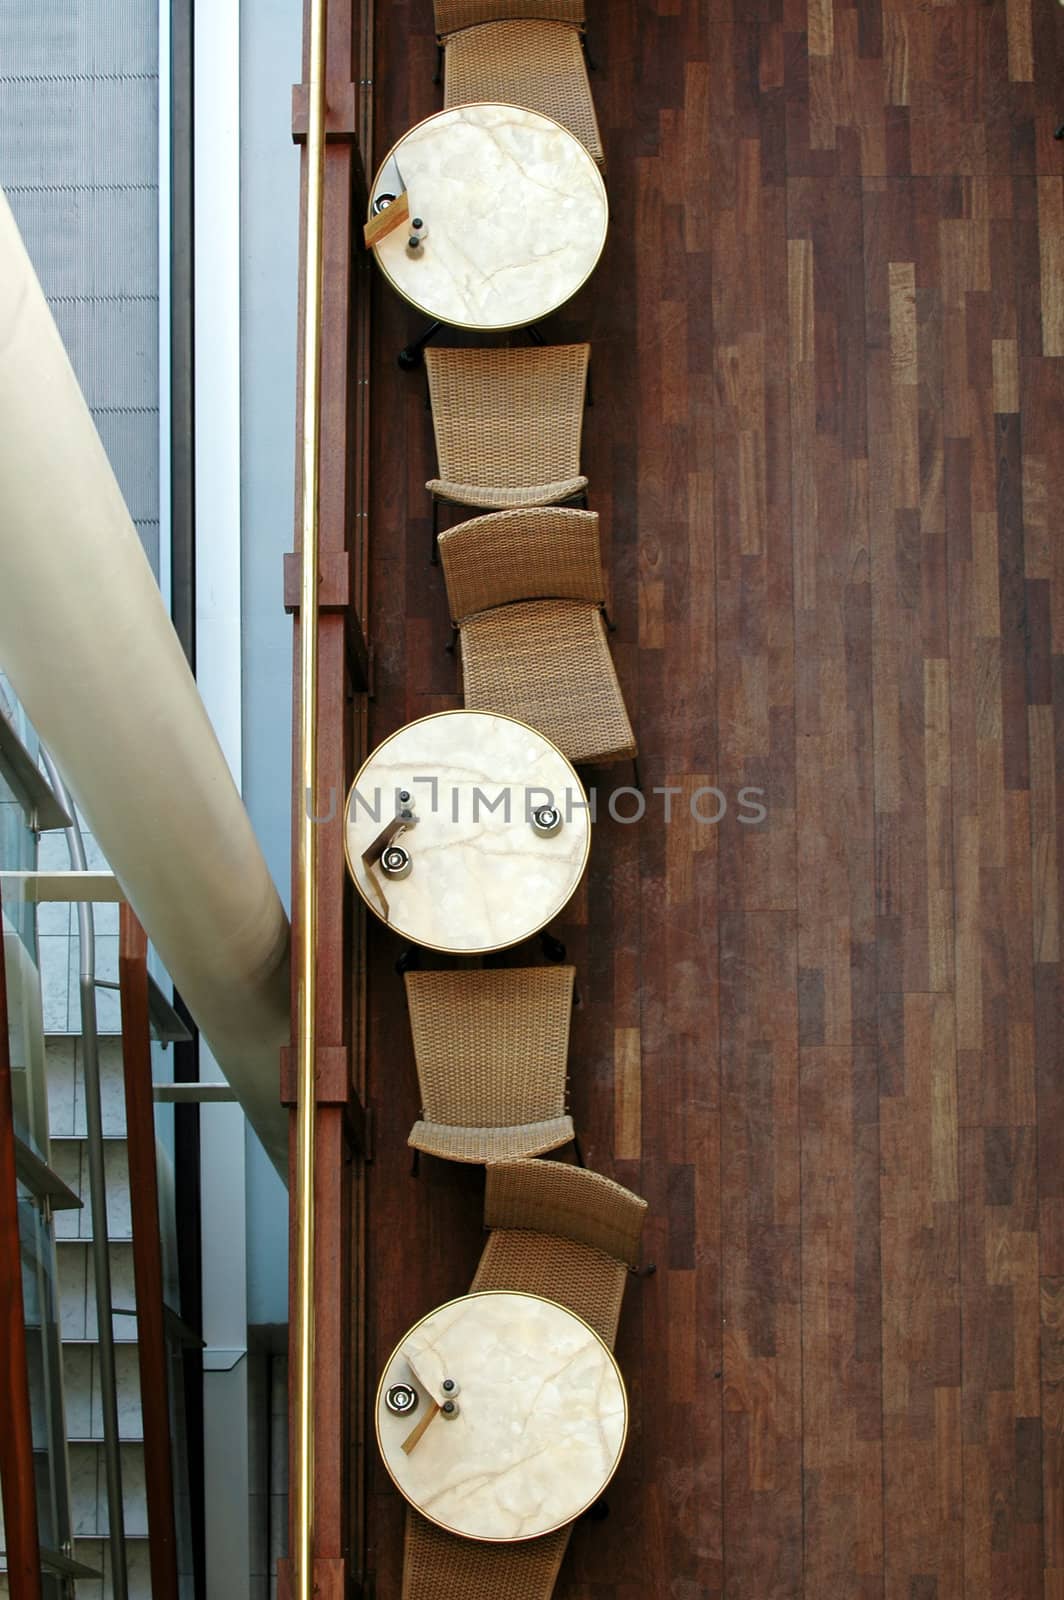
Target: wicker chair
<point>491,1050</point>
<point>564,1233</point>
<point>524,61</point>
<point>569,1235</point>
<point>526,592</point>
<point>440,1566</point>
<point>507,425</point>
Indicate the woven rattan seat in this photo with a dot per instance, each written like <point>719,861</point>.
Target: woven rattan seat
<point>440,1566</point>
<point>524,62</point>
<point>549,553</point>
<point>564,1233</point>
<point>548,663</point>
<point>585,1280</point>
<point>526,593</point>
<point>491,1049</point>
<point>454,14</point>
<point>507,425</point>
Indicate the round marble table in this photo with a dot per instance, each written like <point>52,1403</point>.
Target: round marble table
<point>515,215</point>
<point>541,1416</point>
<point>482,876</point>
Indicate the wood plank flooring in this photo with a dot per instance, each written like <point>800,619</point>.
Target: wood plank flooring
<point>827,448</point>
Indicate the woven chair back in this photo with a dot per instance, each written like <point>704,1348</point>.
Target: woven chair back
<point>508,419</point>
<point>491,1046</point>
<point>541,553</point>
<point>570,1202</point>
<point>441,1566</point>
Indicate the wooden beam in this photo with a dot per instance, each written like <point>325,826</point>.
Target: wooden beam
<point>147,1253</point>
<point>341,101</point>
<point>17,1478</point>
<point>344,664</point>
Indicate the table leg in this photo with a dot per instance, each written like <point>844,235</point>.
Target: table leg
<point>410,357</point>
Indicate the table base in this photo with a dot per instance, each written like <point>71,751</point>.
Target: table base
<point>412,355</point>
<point>409,958</point>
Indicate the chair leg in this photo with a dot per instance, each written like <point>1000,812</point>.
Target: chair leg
<point>412,354</point>
<point>409,960</point>
<point>552,948</point>
<point>435,531</point>
<point>449,647</point>
<point>592,65</point>
<point>535,333</point>
<point>415,1162</point>
<point>438,74</point>
<point>579,1151</point>
<point>637,782</point>
<point>589,392</point>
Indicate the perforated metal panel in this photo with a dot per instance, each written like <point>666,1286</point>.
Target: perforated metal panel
<point>79,164</point>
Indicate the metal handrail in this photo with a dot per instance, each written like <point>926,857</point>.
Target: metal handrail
<point>101,1259</point>
<point>303,1555</point>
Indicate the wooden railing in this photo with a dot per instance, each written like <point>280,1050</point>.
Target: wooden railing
<point>326,590</point>
<point>147,1254</point>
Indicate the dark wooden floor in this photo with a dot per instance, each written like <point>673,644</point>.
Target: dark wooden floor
<point>828,452</point>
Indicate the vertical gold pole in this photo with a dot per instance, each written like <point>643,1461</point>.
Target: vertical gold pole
<point>308,852</point>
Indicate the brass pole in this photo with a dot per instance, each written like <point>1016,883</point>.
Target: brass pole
<point>308,853</point>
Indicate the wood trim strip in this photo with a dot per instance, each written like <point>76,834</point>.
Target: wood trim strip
<point>343,672</point>
<point>147,1253</point>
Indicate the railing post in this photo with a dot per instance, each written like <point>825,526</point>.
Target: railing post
<point>147,1253</point>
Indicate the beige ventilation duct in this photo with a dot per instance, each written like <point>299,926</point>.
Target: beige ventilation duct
<point>92,655</point>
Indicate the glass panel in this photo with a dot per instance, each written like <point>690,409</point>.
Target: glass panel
<point>44,1369</point>
<point>18,853</point>
<point>18,844</point>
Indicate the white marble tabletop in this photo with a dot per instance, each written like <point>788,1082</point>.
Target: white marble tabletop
<point>482,878</point>
<point>541,1421</point>
<point>515,214</point>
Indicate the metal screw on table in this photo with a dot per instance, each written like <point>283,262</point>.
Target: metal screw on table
<point>547,821</point>
<point>396,862</point>
<point>401,1399</point>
